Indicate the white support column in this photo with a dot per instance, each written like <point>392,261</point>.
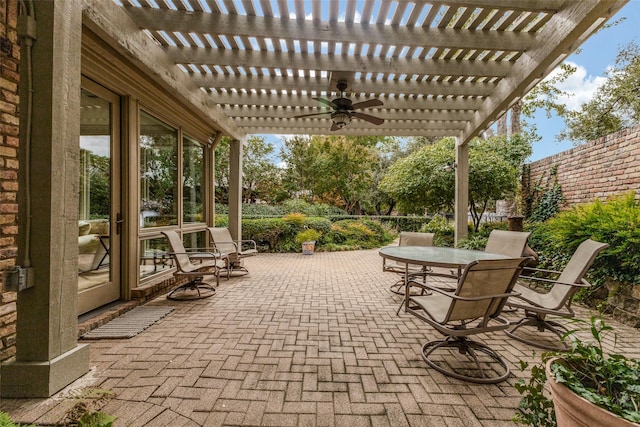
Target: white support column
<point>462,192</point>
<point>235,188</point>
<point>48,356</point>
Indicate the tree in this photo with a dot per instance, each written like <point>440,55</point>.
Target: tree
<point>260,177</point>
<point>297,154</point>
<point>419,182</point>
<point>343,169</point>
<point>615,105</point>
<point>259,172</point>
<point>222,171</point>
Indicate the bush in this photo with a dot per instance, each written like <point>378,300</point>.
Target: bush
<point>308,235</point>
<point>444,232</point>
<point>352,234</point>
<point>279,234</point>
<point>616,222</point>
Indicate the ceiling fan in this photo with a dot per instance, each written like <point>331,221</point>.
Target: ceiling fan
<point>344,110</point>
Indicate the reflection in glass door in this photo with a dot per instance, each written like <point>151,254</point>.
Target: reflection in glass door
<point>98,240</point>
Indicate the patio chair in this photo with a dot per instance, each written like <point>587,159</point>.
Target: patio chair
<point>407,238</point>
<point>237,250</point>
<point>557,301</point>
<point>509,243</point>
<point>205,265</point>
<point>473,308</point>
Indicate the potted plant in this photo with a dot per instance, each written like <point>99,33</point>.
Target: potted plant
<point>589,387</point>
<point>307,238</point>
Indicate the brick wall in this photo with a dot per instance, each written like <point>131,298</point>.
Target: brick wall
<point>10,58</point>
<point>597,170</point>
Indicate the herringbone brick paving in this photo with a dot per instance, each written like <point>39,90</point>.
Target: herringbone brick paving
<point>301,340</point>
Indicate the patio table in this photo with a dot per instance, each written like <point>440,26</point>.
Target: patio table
<point>434,256</point>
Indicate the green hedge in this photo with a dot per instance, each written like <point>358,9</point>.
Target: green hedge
<point>279,234</point>
<point>616,222</point>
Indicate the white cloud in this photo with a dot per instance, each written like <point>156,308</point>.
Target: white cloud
<point>580,86</point>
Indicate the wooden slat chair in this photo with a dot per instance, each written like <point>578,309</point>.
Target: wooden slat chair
<point>473,308</point>
<point>206,266</point>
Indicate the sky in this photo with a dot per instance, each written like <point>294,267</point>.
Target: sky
<point>595,56</point>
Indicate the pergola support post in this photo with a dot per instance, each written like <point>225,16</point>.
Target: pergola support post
<point>235,188</point>
<point>48,356</point>
<point>462,192</point>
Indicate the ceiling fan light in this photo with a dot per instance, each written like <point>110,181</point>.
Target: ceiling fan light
<point>341,119</point>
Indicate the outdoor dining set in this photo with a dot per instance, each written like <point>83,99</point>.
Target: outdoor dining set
<point>458,292</point>
<point>461,293</point>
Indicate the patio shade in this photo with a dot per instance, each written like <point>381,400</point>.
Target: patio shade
<point>440,68</point>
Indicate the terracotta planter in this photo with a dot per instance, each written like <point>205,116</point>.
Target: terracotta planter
<point>575,411</point>
<point>308,247</point>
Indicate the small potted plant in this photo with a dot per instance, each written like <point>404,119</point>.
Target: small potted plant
<point>307,238</point>
<point>588,386</point>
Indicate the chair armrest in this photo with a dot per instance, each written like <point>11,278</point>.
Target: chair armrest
<point>201,254</point>
<point>458,297</point>
<point>583,283</point>
<point>541,270</point>
<point>235,245</point>
<point>424,286</point>
<point>250,242</point>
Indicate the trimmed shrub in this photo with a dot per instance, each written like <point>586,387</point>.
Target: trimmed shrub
<point>352,234</point>
<point>616,222</point>
<point>279,234</point>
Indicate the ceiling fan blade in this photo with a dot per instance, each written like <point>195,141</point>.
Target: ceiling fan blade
<point>368,118</point>
<point>311,115</point>
<point>368,103</point>
<point>326,102</point>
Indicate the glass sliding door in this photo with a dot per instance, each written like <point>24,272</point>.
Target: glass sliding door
<point>98,240</point>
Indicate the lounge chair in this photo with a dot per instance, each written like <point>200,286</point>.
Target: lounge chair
<point>557,301</point>
<point>407,238</point>
<point>473,308</point>
<point>237,250</point>
<point>195,265</point>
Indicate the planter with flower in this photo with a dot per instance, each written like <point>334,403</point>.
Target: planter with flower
<point>588,386</point>
<point>308,238</point>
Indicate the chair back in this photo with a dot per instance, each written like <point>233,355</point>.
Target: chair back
<point>485,278</point>
<point>223,240</point>
<point>412,238</point>
<point>179,252</point>
<point>576,269</point>
<point>509,243</point>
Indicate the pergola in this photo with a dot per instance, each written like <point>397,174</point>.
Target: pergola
<point>439,68</point>
<point>234,68</point>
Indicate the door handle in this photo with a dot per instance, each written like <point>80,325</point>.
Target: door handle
<point>119,221</point>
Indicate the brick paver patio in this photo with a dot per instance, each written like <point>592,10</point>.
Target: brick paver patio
<point>301,340</point>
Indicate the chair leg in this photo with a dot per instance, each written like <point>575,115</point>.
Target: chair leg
<point>470,349</point>
<point>202,290</point>
<point>541,325</point>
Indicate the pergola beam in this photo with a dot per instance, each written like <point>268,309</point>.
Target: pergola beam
<point>353,131</point>
<point>242,112</point>
<point>280,100</point>
<point>334,62</point>
<point>308,84</point>
<point>327,31</point>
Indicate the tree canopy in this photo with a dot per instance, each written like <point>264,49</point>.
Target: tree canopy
<point>419,182</point>
<point>614,106</point>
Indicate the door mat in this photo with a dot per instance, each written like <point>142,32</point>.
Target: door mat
<point>129,324</point>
